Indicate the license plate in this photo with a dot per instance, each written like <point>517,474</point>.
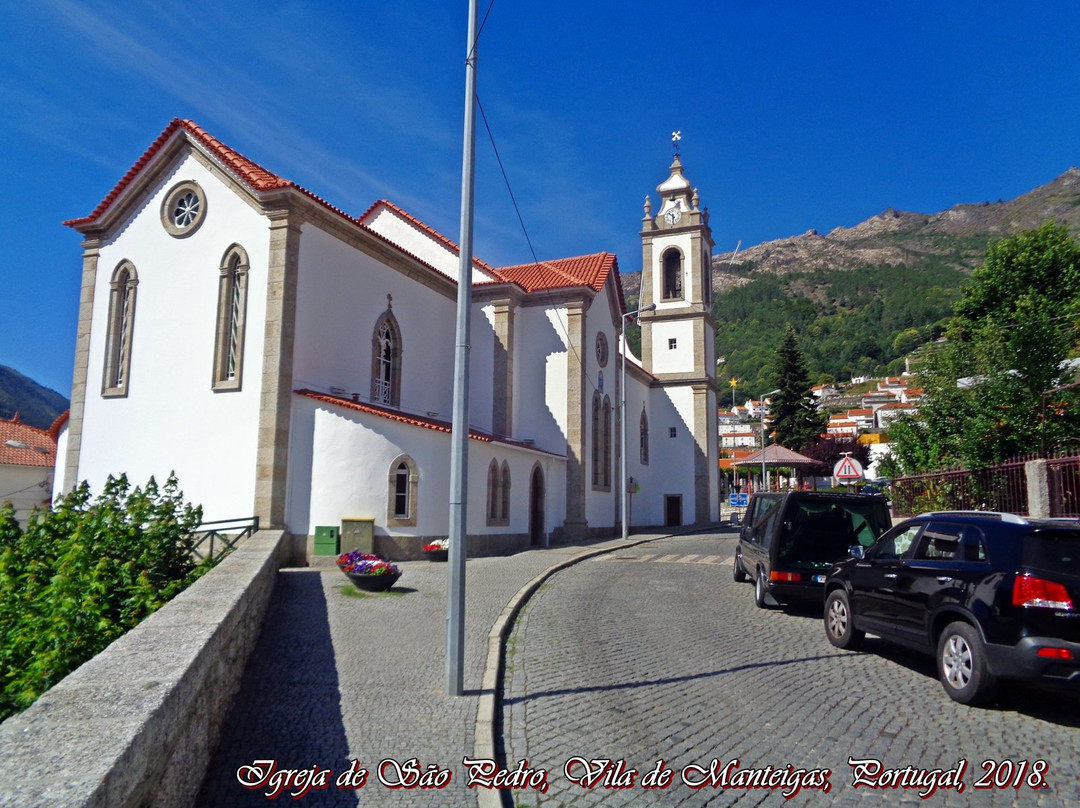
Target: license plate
<point>818,579</point>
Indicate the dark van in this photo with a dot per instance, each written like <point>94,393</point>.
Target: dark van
<point>789,540</point>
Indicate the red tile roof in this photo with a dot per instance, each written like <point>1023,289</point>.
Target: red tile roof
<point>250,172</point>
<point>563,273</point>
<point>586,270</point>
<point>407,418</point>
<point>25,445</point>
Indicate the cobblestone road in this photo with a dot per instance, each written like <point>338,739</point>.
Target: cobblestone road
<point>653,653</point>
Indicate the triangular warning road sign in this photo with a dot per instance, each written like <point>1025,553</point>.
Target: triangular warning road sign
<point>848,469</point>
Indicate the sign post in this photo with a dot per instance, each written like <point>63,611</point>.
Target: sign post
<point>848,470</point>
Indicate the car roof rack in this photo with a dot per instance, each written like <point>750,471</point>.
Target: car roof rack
<point>999,516</point>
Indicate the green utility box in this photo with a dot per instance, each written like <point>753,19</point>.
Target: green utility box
<point>358,533</point>
<point>326,540</point>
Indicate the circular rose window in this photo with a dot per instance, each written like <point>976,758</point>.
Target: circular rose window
<point>601,349</point>
<point>184,209</point>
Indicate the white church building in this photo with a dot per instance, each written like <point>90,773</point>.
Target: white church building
<point>289,360</point>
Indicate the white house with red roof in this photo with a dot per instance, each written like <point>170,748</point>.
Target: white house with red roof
<point>27,458</point>
<point>289,360</point>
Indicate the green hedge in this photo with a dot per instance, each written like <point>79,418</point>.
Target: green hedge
<point>82,574</point>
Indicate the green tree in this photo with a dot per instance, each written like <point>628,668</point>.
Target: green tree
<point>795,418</point>
<point>991,389</point>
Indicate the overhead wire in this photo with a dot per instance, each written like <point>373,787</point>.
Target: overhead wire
<point>517,210</point>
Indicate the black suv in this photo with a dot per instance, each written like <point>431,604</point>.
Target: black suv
<point>993,596</point>
<point>789,540</point>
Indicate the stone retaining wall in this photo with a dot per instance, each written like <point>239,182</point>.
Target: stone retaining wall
<point>135,726</point>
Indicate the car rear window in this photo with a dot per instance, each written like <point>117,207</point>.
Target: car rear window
<point>1055,551</point>
<point>822,532</point>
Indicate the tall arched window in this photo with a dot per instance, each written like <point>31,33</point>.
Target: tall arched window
<point>498,493</point>
<point>504,492</point>
<point>232,308</point>
<point>644,429</point>
<point>493,495</point>
<point>386,361</point>
<point>672,266</point>
<point>596,405</point>
<point>120,329</point>
<point>402,491</point>
<point>606,443</point>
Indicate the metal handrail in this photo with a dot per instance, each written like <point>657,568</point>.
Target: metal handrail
<point>248,525</point>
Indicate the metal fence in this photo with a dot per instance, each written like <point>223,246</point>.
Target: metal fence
<point>1063,482</point>
<point>996,488</point>
<point>215,540</point>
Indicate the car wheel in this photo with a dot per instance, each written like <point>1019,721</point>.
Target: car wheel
<point>961,663</point>
<point>761,594</point>
<point>738,573</point>
<point>839,623</point>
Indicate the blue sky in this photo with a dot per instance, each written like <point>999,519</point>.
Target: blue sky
<point>794,116</point>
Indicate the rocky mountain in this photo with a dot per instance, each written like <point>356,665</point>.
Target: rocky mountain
<point>956,237</point>
<point>36,405</point>
<point>864,297</point>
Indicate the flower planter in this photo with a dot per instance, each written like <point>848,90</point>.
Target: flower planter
<point>373,583</point>
<point>368,572</point>
<point>436,555</point>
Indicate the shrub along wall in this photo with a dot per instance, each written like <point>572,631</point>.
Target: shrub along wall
<point>84,573</point>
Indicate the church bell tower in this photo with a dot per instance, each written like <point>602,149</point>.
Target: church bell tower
<point>678,337</point>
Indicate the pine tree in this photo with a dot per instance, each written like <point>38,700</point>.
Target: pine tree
<point>795,419</point>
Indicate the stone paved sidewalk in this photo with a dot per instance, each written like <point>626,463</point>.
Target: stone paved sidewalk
<point>338,676</point>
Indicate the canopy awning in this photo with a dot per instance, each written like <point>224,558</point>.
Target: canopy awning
<point>776,456</point>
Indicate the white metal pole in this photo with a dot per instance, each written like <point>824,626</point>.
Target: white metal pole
<point>764,483</point>
<point>459,443</point>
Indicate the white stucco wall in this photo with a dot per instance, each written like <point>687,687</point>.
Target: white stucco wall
<point>671,467</point>
<point>171,419</point>
<point>61,459</point>
<point>666,360</point>
<point>341,296</point>
<point>26,488</point>
<point>540,357</point>
<point>341,462</point>
<point>417,241</point>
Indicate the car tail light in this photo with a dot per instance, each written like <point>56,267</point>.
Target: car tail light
<point>1032,592</point>
<point>784,576</point>
<point>1055,653</point>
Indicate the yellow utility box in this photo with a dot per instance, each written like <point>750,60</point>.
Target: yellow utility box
<point>358,533</point>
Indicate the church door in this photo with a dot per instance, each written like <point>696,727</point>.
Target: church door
<point>536,508</point>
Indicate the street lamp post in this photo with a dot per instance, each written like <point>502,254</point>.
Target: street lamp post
<point>762,402</point>
<point>626,318</point>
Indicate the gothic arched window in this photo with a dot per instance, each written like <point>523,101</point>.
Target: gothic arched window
<point>596,405</point>
<point>644,429</point>
<point>504,492</point>
<point>493,496</point>
<point>232,307</point>
<point>402,492</point>
<point>386,362</point>
<point>121,324</point>
<point>606,441</point>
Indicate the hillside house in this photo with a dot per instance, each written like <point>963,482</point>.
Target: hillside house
<point>27,459</point>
